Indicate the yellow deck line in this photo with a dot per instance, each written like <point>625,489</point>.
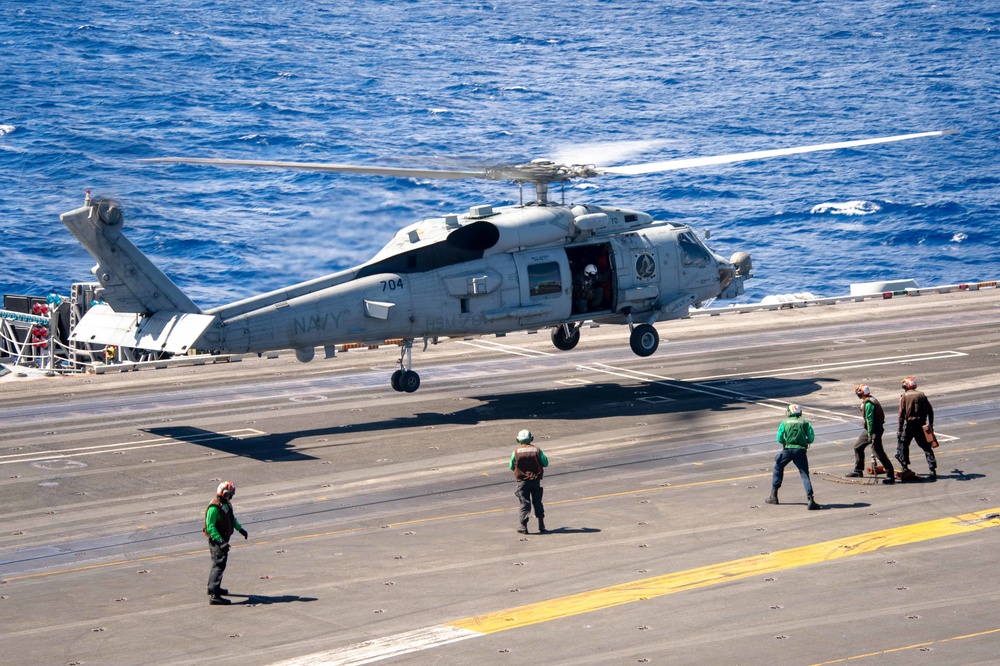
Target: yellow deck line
<point>657,586</point>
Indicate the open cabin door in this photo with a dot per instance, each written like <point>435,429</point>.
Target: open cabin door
<point>597,293</point>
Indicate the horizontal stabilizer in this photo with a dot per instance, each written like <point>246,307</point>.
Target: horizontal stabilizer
<point>174,332</point>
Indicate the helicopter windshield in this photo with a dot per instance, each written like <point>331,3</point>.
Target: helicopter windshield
<point>693,253</point>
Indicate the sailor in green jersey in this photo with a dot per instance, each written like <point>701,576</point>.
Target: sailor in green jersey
<point>220,523</point>
<point>795,434</point>
<point>874,426</point>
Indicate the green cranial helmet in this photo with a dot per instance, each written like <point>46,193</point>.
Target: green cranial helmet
<point>794,410</point>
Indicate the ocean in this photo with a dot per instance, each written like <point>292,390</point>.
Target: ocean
<point>89,88</point>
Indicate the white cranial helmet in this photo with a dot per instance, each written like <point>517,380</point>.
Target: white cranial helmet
<point>590,270</point>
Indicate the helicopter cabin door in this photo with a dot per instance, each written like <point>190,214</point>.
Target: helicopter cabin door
<point>594,282</point>
<point>545,285</point>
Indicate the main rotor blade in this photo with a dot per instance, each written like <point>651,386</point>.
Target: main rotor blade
<point>319,166</point>
<point>693,162</point>
<point>606,152</point>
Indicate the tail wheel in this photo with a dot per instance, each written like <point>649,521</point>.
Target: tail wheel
<point>409,381</point>
<point>644,340</point>
<point>563,339</point>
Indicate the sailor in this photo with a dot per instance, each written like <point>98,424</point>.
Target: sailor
<point>795,434</point>
<point>220,522</point>
<point>589,292</point>
<point>874,426</point>
<point>528,462</point>
<point>915,411</point>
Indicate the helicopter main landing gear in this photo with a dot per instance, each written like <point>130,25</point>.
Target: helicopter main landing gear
<point>566,336</point>
<point>644,338</point>
<point>405,379</point>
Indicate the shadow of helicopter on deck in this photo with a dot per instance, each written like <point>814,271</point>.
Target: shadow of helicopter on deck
<point>685,401</point>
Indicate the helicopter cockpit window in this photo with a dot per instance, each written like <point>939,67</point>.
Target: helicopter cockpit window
<point>693,253</point>
<point>544,279</point>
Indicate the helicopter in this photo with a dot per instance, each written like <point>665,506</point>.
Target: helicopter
<point>492,270</point>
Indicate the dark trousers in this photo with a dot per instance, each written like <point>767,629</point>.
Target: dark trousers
<point>914,432</point>
<point>859,453</point>
<point>219,559</point>
<point>797,456</point>
<point>529,492</point>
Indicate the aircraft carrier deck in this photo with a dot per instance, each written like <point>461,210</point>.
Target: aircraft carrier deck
<point>382,524</point>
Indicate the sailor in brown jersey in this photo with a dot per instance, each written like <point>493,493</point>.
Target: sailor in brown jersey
<point>528,462</point>
<point>914,412</point>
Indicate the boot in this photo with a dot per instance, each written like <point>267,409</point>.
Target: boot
<point>856,474</point>
<point>812,506</point>
<point>541,526</point>
<point>933,476</point>
<point>889,480</point>
<point>216,600</point>
<point>523,529</point>
<point>773,499</point>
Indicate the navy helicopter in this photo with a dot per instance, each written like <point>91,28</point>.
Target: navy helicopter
<point>491,270</point>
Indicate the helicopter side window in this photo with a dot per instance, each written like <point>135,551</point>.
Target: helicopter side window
<point>544,279</point>
<point>693,253</point>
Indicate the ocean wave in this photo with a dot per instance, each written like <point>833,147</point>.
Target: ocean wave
<point>6,129</point>
<point>846,208</point>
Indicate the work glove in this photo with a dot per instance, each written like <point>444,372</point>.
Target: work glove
<point>244,533</point>
<point>224,547</point>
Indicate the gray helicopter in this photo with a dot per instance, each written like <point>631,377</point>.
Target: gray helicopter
<point>491,270</point>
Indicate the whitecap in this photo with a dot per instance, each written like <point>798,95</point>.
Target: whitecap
<point>958,238</point>
<point>6,129</point>
<point>857,207</point>
<point>437,111</point>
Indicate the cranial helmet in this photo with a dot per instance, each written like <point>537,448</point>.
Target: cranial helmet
<point>909,383</point>
<point>226,490</point>
<point>794,410</point>
<point>590,270</point>
<point>524,437</point>
<point>862,390</point>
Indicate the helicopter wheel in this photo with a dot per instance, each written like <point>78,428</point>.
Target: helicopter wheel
<point>564,340</point>
<point>394,380</point>
<point>409,381</point>
<point>644,340</point>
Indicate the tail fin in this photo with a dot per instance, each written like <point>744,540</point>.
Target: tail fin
<point>129,280</point>
<point>147,310</point>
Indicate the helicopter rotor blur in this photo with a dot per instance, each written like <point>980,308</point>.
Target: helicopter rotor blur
<point>491,270</point>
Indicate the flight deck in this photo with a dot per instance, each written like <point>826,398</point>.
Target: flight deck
<point>382,525</point>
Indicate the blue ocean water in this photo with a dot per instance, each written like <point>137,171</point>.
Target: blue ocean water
<point>90,87</point>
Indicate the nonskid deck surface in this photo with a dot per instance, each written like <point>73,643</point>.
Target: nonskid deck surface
<point>382,525</point>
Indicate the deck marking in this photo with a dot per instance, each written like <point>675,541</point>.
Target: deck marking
<point>907,647</point>
<point>648,588</point>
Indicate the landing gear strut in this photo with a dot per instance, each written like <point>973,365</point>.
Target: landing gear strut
<point>565,336</point>
<point>644,338</point>
<point>405,379</point>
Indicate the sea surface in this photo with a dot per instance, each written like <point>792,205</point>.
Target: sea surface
<point>88,88</point>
